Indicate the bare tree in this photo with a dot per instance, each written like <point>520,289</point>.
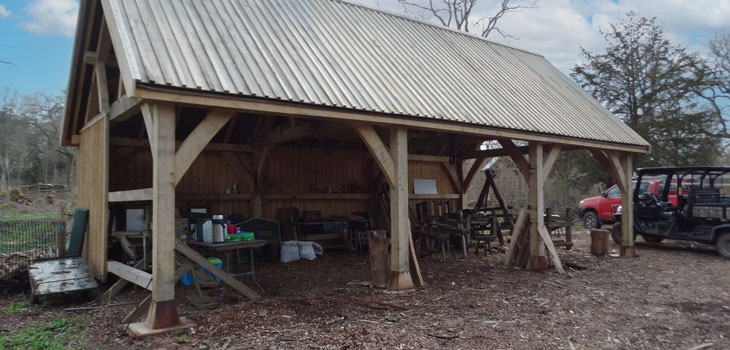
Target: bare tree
<point>719,95</point>
<point>457,13</point>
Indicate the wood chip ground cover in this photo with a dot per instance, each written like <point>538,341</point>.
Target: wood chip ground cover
<point>675,295</point>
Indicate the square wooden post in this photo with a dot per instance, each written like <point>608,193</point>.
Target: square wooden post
<point>538,260</point>
<point>627,207</point>
<point>400,276</point>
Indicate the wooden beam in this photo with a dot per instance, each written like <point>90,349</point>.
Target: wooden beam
<point>282,108</point>
<point>198,139</point>
<point>147,114</point>
<point>454,178</point>
<point>551,248</point>
<point>426,158</point>
<point>312,130</point>
<point>538,260</point>
<point>212,147</point>
<point>102,86</point>
<point>627,214</point>
<point>400,230</point>
<point>491,153</point>
<point>380,153</point>
<point>224,276</point>
<point>144,194</point>
<point>522,220</point>
<point>516,155</point>
<point>115,29</point>
<point>163,310</point>
<point>612,164</point>
<point>130,274</point>
<point>123,108</point>
<point>473,171</point>
<point>550,161</point>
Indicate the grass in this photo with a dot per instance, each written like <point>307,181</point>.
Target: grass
<point>61,333</point>
<point>14,307</point>
<point>40,216</point>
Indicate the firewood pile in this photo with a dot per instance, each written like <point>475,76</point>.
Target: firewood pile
<point>12,262</point>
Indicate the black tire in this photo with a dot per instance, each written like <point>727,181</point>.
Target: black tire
<point>652,239</point>
<point>591,220</point>
<point>616,233</point>
<point>723,245</point>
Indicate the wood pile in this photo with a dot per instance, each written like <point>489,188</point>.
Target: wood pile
<point>12,262</point>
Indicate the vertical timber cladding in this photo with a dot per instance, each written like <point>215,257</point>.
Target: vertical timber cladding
<point>288,174</point>
<point>337,182</point>
<point>93,170</point>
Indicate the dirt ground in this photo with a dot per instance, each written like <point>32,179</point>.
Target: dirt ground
<point>675,295</point>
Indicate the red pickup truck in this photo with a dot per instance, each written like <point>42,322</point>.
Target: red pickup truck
<point>598,210</point>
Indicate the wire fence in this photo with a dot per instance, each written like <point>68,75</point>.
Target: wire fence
<point>27,240</point>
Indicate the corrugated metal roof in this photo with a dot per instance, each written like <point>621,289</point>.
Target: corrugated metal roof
<point>332,53</point>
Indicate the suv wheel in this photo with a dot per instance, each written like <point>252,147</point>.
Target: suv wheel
<point>590,220</point>
<point>723,245</point>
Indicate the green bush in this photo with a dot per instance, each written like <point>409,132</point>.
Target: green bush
<point>16,195</point>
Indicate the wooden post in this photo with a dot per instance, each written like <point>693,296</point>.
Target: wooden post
<point>627,208</point>
<point>538,260</point>
<point>620,166</point>
<point>393,163</point>
<point>379,267</point>
<point>400,276</point>
<point>163,309</point>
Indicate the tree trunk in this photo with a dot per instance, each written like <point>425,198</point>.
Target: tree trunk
<point>379,259</point>
<point>599,242</point>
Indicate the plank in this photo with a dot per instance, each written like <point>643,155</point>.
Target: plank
<point>118,285</point>
<point>413,263</point>
<point>522,218</point>
<point>551,248</point>
<point>129,273</point>
<point>224,276</point>
<point>144,194</point>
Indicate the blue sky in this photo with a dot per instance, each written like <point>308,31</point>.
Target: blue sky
<point>37,38</point>
<point>37,35</point>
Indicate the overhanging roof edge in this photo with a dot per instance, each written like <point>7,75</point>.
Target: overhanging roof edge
<point>152,92</point>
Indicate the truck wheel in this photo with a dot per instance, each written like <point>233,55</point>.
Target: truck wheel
<point>590,220</point>
<point>723,245</point>
<point>616,233</point>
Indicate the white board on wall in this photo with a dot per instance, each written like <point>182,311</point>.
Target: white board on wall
<point>424,186</point>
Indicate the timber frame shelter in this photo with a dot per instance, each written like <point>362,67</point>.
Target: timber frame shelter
<point>172,102</point>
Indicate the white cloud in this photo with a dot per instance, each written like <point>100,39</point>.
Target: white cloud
<point>557,29</point>
<point>56,17</point>
<point>4,12</point>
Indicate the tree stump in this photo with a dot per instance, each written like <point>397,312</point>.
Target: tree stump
<point>599,242</point>
<point>379,259</point>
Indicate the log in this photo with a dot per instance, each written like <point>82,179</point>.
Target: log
<point>379,260</point>
<point>599,242</point>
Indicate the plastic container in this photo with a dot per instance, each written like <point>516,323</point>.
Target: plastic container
<point>187,278</point>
